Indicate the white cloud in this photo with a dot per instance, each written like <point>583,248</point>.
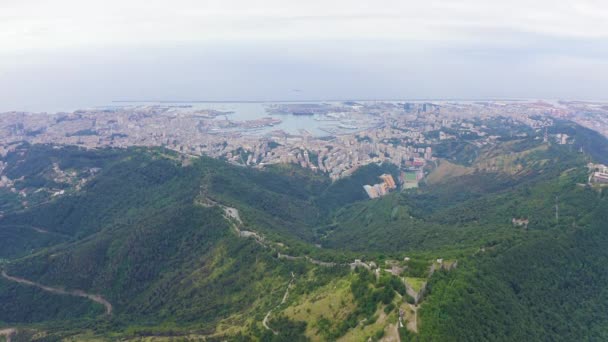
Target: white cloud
<point>27,24</point>
<point>67,53</point>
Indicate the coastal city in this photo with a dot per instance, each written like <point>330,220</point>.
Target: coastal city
<point>353,134</point>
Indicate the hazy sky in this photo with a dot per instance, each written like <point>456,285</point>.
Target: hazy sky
<point>70,53</point>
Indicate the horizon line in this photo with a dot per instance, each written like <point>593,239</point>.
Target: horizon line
<point>329,100</point>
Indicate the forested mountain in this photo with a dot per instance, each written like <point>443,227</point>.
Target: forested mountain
<point>122,244</point>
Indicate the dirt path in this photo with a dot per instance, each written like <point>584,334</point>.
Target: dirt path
<point>77,293</point>
<point>40,230</point>
<point>391,333</point>
<point>412,325</point>
<point>37,229</point>
<point>265,323</point>
<point>8,333</point>
<point>285,296</point>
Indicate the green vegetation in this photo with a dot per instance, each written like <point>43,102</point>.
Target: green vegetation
<point>350,189</point>
<point>83,133</point>
<point>546,288</point>
<point>590,141</point>
<point>147,231</point>
<point>40,304</point>
<point>415,283</point>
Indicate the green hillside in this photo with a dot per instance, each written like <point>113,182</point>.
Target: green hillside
<point>197,248</point>
<point>544,288</point>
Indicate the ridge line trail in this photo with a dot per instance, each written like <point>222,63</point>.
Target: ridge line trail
<point>77,293</point>
<point>233,213</point>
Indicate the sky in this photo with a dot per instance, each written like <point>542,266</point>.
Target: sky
<point>68,54</point>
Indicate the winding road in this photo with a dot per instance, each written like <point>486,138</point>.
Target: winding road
<point>285,296</point>
<point>77,293</point>
<point>233,216</point>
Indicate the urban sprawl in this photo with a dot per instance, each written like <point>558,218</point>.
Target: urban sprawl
<point>402,133</point>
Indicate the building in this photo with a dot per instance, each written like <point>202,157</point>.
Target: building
<point>428,153</point>
<point>419,175</point>
<point>389,181</point>
<point>381,189</point>
<point>418,161</point>
<point>371,191</point>
<point>600,177</point>
<point>520,222</point>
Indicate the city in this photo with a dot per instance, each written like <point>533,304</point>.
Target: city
<point>401,133</point>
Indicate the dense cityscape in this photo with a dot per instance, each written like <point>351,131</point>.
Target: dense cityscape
<point>360,133</point>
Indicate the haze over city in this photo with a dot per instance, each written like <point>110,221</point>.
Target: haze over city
<point>64,55</point>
